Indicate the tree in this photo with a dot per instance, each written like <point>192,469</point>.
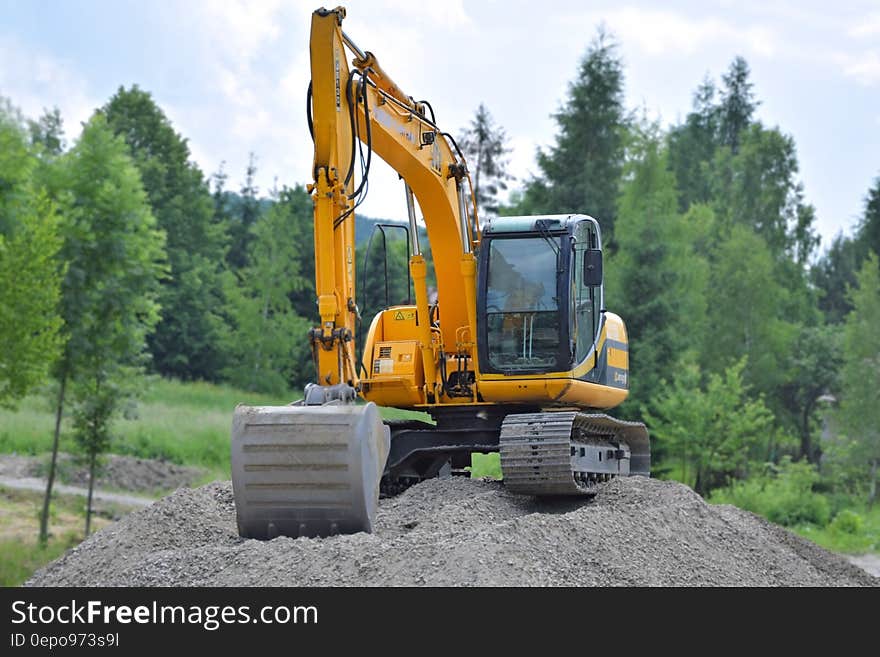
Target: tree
<point>266,339</point>
<point>485,147</point>
<point>300,213</point>
<point>115,261</point>
<point>836,270</point>
<point>738,103</point>
<point>812,367</point>
<point>692,148</point>
<point>712,429</point>
<point>29,320</point>
<point>186,343</point>
<point>656,281</point>
<point>48,132</point>
<point>833,273</point>
<point>757,187</point>
<point>869,227</point>
<point>859,411</point>
<point>581,172</point>
<point>29,271</point>
<point>746,312</point>
<point>248,212</point>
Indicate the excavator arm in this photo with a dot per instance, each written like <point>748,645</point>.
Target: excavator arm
<point>314,467</point>
<point>356,103</point>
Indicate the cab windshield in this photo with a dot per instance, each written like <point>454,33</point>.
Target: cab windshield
<point>522,306</point>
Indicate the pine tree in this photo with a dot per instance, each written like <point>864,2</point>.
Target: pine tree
<point>833,273</point>
<point>738,103</point>
<point>868,232</point>
<point>692,148</point>
<point>485,148</point>
<point>836,270</point>
<point>186,341</point>
<point>248,212</point>
<point>581,172</point>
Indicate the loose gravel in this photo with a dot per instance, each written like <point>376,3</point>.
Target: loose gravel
<point>456,531</point>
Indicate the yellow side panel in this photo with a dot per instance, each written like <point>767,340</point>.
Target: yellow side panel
<point>583,393</point>
<point>618,358</point>
<point>392,360</point>
<point>399,323</point>
<point>396,359</point>
<point>550,391</point>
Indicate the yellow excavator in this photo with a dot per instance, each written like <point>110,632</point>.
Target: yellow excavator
<point>517,354</point>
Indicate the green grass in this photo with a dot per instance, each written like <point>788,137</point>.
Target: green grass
<point>185,423</point>
<point>20,553</point>
<point>486,465</point>
<point>28,430</point>
<point>19,559</point>
<point>849,537</point>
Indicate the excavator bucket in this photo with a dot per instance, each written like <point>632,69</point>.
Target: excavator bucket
<point>307,470</point>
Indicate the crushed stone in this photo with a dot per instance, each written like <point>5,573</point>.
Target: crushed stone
<point>462,532</point>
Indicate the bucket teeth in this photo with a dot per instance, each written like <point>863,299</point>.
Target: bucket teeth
<point>307,470</point>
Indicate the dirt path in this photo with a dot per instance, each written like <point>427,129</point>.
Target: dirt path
<point>39,485</point>
<point>868,562</point>
<point>148,477</point>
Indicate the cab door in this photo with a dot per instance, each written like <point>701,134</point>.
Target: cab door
<point>586,297</point>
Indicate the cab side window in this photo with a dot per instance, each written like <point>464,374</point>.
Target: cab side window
<point>585,298</point>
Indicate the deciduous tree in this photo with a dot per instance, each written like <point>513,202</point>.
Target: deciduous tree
<point>712,428</point>
<point>859,412</point>
<point>186,341</point>
<point>30,275</point>
<point>115,261</point>
<point>266,341</point>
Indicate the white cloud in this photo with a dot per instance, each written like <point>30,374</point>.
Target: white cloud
<point>237,27</point>
<point>866,27</point>
<point>34,81</point>
<point>446,14</point>
<point>864,67</point>
<point>659,31</point>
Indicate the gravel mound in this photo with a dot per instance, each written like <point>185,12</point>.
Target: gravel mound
<point>456,531</point>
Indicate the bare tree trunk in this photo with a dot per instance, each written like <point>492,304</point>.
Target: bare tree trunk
<point>92,459</point>
<point>872,497</point>
<point>806,439</point>
<point>44,516</point>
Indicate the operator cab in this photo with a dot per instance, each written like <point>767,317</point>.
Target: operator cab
<point>540,293</point>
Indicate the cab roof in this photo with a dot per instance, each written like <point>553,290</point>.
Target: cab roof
<point>529,224</point>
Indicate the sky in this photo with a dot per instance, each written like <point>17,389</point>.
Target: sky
<point>232,74</point>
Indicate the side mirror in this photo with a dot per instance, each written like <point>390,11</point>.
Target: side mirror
<point>592,267</point>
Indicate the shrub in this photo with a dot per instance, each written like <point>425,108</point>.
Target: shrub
<point>848,522</point>
<point>783,494</point>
